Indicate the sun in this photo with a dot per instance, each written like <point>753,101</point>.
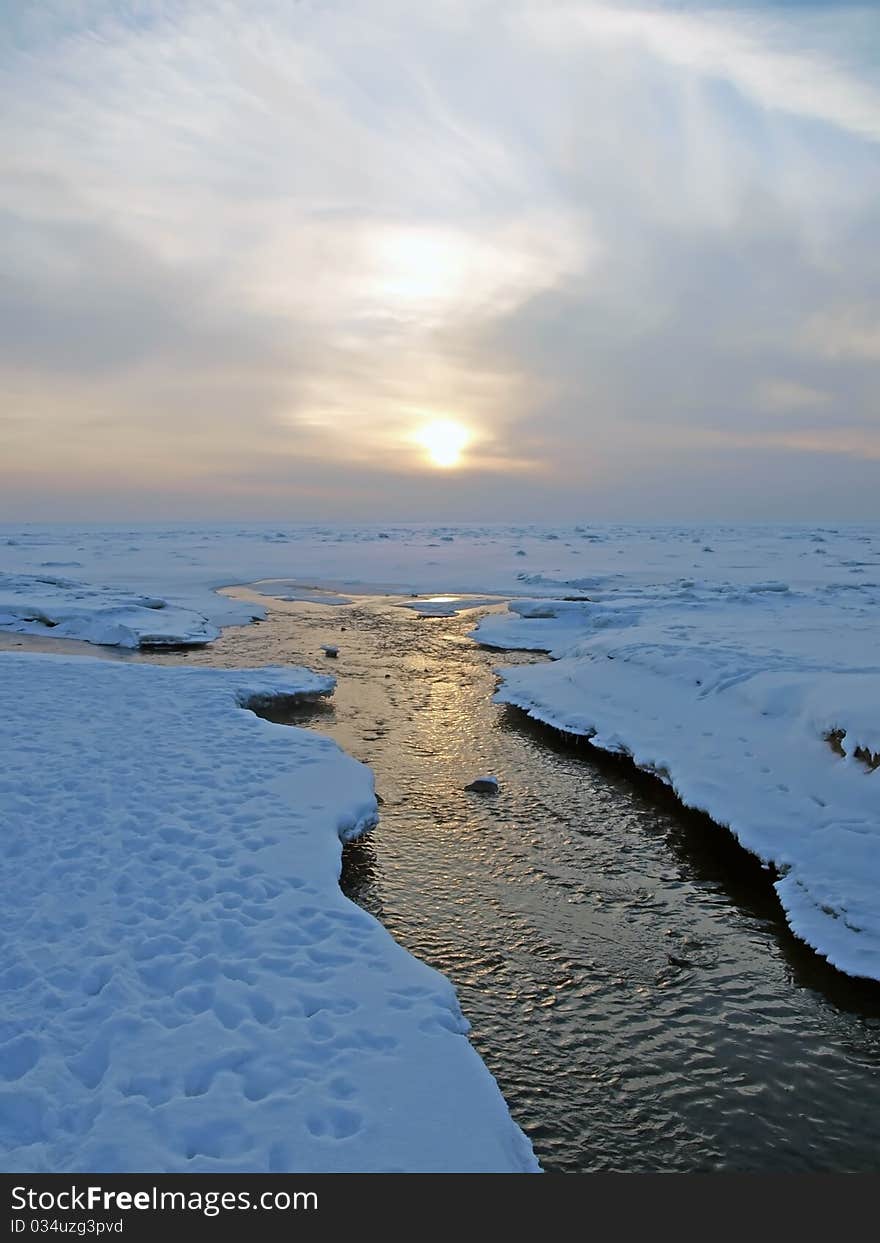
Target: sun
<point>444,441</point>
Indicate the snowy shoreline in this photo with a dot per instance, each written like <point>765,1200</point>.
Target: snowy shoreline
<point>741,664</point>
<point>782,754</point>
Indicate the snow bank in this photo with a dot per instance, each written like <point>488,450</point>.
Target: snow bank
<point>69,609</point>
<point>185,988</point>
<point>759,705</point>
<point>570,617</point>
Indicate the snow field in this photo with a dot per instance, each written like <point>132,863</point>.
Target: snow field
<point>185,987</point>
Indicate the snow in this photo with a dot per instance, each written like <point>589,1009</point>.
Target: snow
<point>185,987</point>
<point>757,701</point>
<point>741,663</point>
<point>77,572</point>
<point>31,604</point>
<point>515,630</point>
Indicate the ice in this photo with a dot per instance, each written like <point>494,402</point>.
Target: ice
<point>185,987</point>
<point>447,606</point>
<point>283,589</point>
<point>739,662</point>
<point>69,609</point>
<point>515,630</point>
<point>757,701</point>
<point>752,751</point>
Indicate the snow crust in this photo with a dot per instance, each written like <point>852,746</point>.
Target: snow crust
<point>185,987</point>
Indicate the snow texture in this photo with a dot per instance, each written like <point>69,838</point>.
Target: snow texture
<point>185,987</point>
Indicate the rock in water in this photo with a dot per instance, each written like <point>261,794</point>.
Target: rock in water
<point>483,785</point>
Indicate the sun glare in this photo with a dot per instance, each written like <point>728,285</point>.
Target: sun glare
<point>444,442</point>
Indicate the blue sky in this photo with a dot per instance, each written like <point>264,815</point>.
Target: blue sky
<point>250,250</point>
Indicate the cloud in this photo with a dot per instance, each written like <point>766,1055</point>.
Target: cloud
<point>758,50</point>
<point>845,332</point>
<point>247,247</point>
<point>784,396</point>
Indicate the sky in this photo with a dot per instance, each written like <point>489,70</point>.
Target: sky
<point>478,260</point>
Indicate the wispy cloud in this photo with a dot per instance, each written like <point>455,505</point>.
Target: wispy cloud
<point>769,52</point>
